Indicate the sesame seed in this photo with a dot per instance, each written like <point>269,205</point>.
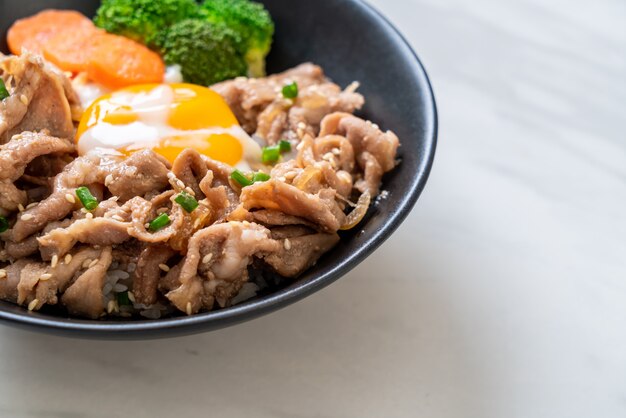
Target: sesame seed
<point>93,263</point>
<point>68,258</point>
<point>188,308</point>
<point>131,296</point>
<point>207,258</point>
<point>301,125</point>
<point>171,175</point>
<point>146,225</point>
<point>211,275</point>
<point>27,217</point>
<point>86,263</point>
<point>164,267</point>
<point>112,306</point>
<point>114,198</point>
<point>20,207</point>
<point>24,99</point>
<point>54,261</point>
<point>83,210</point>
<point>117,218</point>
<point>190,191</point>
<point>89,215</point>
<point>3,273</point>
<point>162,210</point>
<point>32,205</point>
<point>336,151</point>
<point>287,244</point>
<point>17,137</point>
<point>180,184</point>
<point>45,277</point>
<point>33,304</point>
<point>352,87</point>
<point>197,223</point>
<point>108,180</point>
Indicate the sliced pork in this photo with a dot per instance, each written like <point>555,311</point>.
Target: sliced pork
<point>216,264</point>
<point>320,209</point>
<point>374,149</point>
<point>40,98</point>
<point>84,297</point>
<point>261,108</point>
<point>115,259</point>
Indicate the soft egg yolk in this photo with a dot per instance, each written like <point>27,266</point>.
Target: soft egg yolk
<point>166,118</point>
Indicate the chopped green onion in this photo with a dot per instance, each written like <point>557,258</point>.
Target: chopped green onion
<point>159,222</point>
<point>290,91</point>
<point>4,93</point>
<point>240,178</point>
<point>123,299</point>
<point>86,198</point>
<point>271,154</point>
<point>285,146</point>
<point>260,177</point>
<point>4,224</point>
<point>187,201</point>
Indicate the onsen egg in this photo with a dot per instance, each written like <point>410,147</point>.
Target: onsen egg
<point>167,118</point>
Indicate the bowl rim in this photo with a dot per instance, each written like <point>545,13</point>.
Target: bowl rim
<point>171,327</point>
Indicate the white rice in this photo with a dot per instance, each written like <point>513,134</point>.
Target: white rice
<point>383,195</point>
<point>118,280</point>
<point>119,288</point>
<point>248,291</point>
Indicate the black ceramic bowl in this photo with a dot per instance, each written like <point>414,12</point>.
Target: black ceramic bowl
<point>351,41</point>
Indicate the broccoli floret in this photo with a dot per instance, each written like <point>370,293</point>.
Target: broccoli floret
<point>251,21</point>
<point>143,20</point>
<point>207,52</point>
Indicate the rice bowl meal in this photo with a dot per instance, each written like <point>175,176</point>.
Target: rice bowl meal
<point>149,167</point>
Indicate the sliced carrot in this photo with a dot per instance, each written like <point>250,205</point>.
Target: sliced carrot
<point>33,32</point>
<point>71,49</point>
<point>118,62</point>
<point>72,42</point>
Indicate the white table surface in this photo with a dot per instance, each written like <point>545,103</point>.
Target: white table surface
<point>502,295</point>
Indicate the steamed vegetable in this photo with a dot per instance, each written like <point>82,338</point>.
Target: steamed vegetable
<point>4,93</point>
<point>70,48</point>
<point>251,21</point>
<point>32,33</point>
<point>159,222</point>
<point>290,91</point>
<point>73,43</point>
<point>207,52</point>
<point>143,20</point>
<point>86,198</point>
<point>117,62</point>
<point>187,201</point>
<point>4,224</point>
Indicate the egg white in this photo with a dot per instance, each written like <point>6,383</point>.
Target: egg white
<point>89,91</point>
<point>153,109</point>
